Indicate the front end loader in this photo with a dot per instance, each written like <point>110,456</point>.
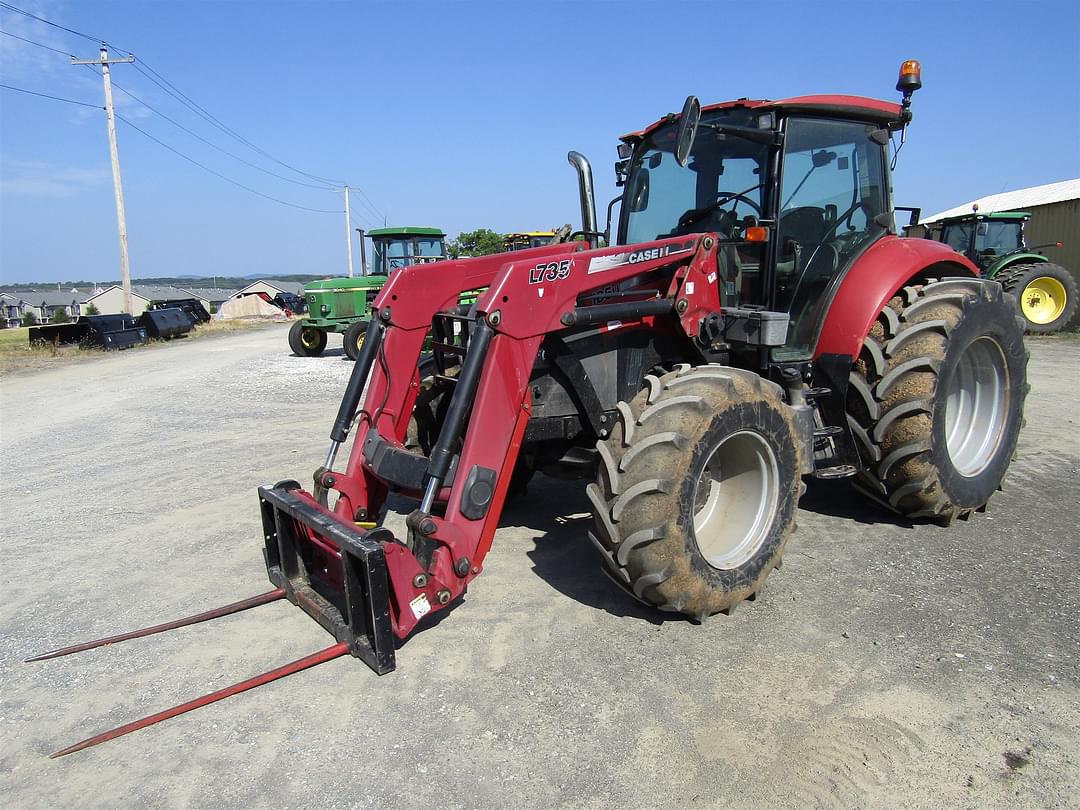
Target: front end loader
<point>756,321</point>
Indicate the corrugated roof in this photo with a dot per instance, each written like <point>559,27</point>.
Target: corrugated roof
<point>1019,200</point>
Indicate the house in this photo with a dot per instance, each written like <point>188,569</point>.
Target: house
<point>271,288</point>
<point>1055,217</point>
<point>12,310</point>
<point>215,295</point>
<point>44,305</point>
<point>110,300</point>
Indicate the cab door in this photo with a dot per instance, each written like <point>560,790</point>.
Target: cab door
<point>833,191</point>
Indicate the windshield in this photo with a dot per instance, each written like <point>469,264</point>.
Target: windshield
<point>722,180</point>
<point>995,238</point>
<point>390,254</point>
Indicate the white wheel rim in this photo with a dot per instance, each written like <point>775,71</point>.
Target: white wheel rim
<point>976,407</point>
<point>737,491</point>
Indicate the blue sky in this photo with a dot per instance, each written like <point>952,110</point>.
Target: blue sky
<point>460,114</point>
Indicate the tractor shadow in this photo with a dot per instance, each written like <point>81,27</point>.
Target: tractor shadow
<point>839,499</point>
<point>558,512</point>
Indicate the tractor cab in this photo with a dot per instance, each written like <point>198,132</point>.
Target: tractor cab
<point>796,190</point>
<point>526,240</point>
<point>393,248</point>
<point>984,238</point>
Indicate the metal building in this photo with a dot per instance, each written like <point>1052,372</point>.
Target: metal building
<point>1055,217</point>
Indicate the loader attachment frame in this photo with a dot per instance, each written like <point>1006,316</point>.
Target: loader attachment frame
<point>460,487</point>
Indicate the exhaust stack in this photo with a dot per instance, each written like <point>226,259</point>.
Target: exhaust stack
<point>585,190</point>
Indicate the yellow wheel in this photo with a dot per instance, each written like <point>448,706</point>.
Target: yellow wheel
<point>306,341</point>
<point>1047,294</point>
<point>1043,300</point>
<point>354,339</point>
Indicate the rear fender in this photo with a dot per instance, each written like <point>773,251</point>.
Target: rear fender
<point>873,279</point>
<point>1013,259</point>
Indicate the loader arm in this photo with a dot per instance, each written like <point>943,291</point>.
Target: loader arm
<point>529,295</point>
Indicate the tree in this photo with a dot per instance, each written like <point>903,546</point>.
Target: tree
<point>29,319</point>
<point>61,315</point>
<point>481,242</point>
<point>91,309</point>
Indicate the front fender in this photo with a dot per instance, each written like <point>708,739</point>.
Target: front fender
<point>873,279</point>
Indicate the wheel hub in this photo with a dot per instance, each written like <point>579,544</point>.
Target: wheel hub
<point>976,406</point>
<point>1043,300</point>
<point>736,499</point>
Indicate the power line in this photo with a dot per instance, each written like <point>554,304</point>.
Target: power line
<point>187,101</point>
<point>179,95</point>
<point>219,174</point>
<point>54,98</point>
<point>10,7</point>
<point>214,145</point>
<point>39,44</point>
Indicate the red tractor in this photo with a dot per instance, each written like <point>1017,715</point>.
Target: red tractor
<point>756,320</point>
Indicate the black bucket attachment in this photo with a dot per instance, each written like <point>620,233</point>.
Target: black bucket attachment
<point>105,331</point>
<point>192,306</point>
<point>349,596</point>
<point>164,324</point>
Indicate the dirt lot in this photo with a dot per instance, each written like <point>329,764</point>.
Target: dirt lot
<point>886,664</point>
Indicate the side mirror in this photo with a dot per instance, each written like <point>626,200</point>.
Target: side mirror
<point>687,131</point>
<point>639,194</point>
<point>981,229</point>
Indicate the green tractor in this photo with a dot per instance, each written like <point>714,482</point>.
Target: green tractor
<point>341,304</point>
<point>1047,292</point>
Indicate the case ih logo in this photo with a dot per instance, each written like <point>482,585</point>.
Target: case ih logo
<point>602,263</point>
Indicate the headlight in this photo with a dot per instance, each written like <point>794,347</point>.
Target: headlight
<point>324,309</point>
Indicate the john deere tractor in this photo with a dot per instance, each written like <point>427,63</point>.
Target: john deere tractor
<point>340,304</point>
<point>1047,292</point>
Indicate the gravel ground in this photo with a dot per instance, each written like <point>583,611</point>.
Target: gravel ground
<point>887,664</point>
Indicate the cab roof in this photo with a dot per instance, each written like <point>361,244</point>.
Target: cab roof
<point>979,215</point>
<point>872,109</point>
<point>529,233</point>
<point>408,231</point>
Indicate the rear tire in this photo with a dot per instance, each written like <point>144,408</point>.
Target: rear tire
<point>696,491</point>
<point>306,341</point>
<point>936,398</point>
<point>1047,294</point>
<point>354,339</point>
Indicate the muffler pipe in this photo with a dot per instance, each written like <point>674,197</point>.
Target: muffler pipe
<point>585,191</point>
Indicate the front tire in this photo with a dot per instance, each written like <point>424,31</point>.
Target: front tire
<point>697,488</point>
<point>306,341</point>
<point>1047,293</point>
<point>936,398</point>
<point>354,339</point>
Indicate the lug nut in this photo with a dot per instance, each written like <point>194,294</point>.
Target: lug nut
<point>495,318</point>
<point>681,306</point>
<point>462,566</point>
<point>419,581</point>
<point>443,596</point>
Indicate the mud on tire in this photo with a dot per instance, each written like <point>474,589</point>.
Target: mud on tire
<point>697,487</point>
<point>936,396</point>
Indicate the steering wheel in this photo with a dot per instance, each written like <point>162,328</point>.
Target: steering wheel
<point>695,214</point>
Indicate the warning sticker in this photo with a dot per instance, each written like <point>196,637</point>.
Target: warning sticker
<point>420,606</point>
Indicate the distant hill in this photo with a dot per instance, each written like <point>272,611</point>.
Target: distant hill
<point>191,282</point>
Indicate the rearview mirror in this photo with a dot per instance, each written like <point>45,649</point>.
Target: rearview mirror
<point>687,131</point>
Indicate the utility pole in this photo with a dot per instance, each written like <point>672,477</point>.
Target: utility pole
<point>348,231</point>
<point>121,221</point>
